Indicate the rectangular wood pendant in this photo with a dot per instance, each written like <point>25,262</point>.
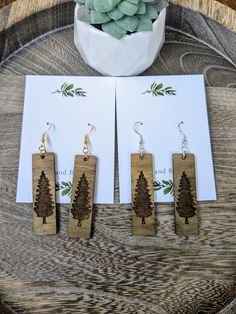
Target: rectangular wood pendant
<point>82,197</point>
<point>44,194</point>
<point>142,195</point>
<point>186,209</point>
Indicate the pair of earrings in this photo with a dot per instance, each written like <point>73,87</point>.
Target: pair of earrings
<point>82,197</point>
<point>44,191</point>
<point>184,181</point>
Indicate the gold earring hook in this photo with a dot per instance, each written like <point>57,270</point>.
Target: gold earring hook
<point>49,128</point>
<point>184,146</point>
<point>42,147</point>
<point>46,132</point>
<point>91,130</point>
<point>86,141</point>
<point>141,141</point>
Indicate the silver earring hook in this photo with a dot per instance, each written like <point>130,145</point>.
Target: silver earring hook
<point>141,141</point>
<point>184,146</point>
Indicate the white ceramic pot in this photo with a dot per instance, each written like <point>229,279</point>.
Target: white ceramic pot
<point>130,55</point>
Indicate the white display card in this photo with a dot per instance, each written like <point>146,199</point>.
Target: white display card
<point>69,108</point>
<point>160,107</point>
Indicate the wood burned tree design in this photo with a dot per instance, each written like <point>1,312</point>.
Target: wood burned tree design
<point>142,205</point>
<point>185,203</point>
<point>43,203</point>
<point>81,204</point>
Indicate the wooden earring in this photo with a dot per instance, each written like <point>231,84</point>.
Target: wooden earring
<point>82,196</point>
<point>44,190</point>
<point>142,190</point>
<point>185,195</point>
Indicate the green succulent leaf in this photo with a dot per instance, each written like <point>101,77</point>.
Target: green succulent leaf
<point>144,25</point>
<point>128,23</point>
<point>160,5</point>
<point>89,4</point>
<point>141,8</point>
<point>151,13</point>
<point>128,8</point>
<point>115,14</point>
<point>119,17</point>
<point>113,29</point>
<point>103,6</point>
<point>98,18</point>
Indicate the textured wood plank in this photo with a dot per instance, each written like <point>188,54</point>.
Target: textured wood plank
<point>213,9</point>
<point>174,261</point>
<point>5,2</point>
<point>25,19</point>
<point>229,3</point>
<point>24,8</point>
<point>160,274</point>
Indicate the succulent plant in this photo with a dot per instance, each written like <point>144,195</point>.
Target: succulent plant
<point>119,17</point>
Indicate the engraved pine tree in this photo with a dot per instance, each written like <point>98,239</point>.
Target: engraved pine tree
<point>81,207</point>
<point>142,206</point>
<point>185,203</point>
<point>43,202</point>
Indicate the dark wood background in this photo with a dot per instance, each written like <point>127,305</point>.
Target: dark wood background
<point>115,272</point>
<point>5,2</point>
<point>229,3</point>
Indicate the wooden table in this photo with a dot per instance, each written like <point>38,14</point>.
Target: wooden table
<point>115,272</point>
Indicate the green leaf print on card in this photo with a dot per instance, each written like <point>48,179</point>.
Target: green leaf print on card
<point>165,185</point>
<point>68,90</point>
<point>158,89</point>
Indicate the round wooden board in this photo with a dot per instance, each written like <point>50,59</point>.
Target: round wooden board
<point>115,272</point>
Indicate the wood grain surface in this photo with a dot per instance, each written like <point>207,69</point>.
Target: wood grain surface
<point>229,3</point>
<point>221,11</point>
<point>115,272</point>
<point>25,20</point>
<point>56,16</point>
<point>5,2</point>
<point>213,9</point>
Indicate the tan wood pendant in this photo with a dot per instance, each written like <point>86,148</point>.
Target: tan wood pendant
<point>142,195</point>
<point>82,197</point>
<point>185,196</point>
<point>44,194</point>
